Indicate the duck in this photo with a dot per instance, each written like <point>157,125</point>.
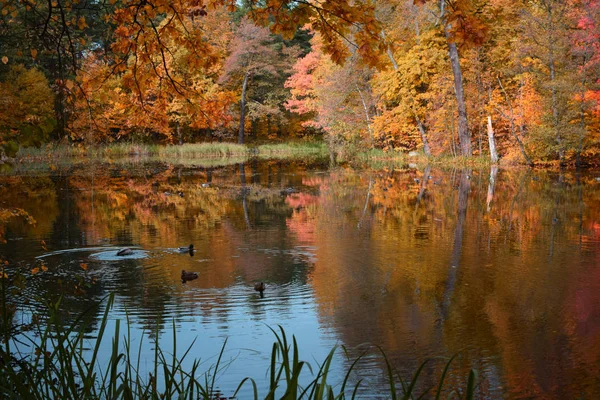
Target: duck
<point>189,249</point>
<point>259,287</point>
<point>125,252</point>
<point>188,276</point>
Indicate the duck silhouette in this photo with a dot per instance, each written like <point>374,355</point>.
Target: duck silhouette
<point>188,276</point>
<point>125,252</point>
<point>186,249</point>
<point>189,249</point>
<point>260,287</point>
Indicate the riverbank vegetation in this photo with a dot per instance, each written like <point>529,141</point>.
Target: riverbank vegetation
<point>514,81</point>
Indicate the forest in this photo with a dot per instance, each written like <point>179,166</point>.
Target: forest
<point>514,80</point>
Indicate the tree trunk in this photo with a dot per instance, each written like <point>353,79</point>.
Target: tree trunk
<point>464,135</point>
<point>582,126</point>
<point>243,108</point>
<point>367,116</point>
<point>555,113</point>
<point>492,141</point>
<point>269,126</point>
<point>179,135</point>
<point>423,132</point>
<point>389,52</point>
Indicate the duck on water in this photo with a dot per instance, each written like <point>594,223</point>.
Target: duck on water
<point>188,276</point>
<point>125,252</point>
<point>189,249</point>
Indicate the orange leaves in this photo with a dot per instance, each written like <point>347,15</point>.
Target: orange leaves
<point>81,23</point>
<point>5,60</point>
<point>83,266</point>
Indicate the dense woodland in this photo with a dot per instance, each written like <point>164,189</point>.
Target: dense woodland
<point>436,76</point>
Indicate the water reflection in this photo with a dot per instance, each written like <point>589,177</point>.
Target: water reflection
<point>500,265</point>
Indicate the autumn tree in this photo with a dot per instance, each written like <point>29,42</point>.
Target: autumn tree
<point>586,53</point>
<point>333,98</point>
<point>112,105</point>
<point>26,109</point>
<point>252,57</point>
<point>546,51</point>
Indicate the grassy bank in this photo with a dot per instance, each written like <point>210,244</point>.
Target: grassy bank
<point>219,154</point>
<point>63,363</point>
<point>293,150</point>
<point>186,151</point>
<point>197,150</point>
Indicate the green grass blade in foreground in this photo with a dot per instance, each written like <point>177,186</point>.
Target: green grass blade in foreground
<point>471,384</point>
<point>441,384</point>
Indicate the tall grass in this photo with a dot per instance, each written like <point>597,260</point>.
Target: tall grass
<point>63,365</point>
<point>195,150</point>
<point>293,150</point>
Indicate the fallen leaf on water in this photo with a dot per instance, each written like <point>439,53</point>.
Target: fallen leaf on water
<point>83,266</point>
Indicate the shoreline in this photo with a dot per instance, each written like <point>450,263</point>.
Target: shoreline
<point>224,153</point>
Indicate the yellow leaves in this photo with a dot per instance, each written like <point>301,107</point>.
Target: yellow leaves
<point>54,3</point>
<point>4,60</point>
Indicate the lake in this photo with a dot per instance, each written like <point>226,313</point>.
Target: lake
<point>498,266</point>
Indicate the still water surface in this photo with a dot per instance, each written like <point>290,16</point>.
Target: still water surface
<point>500,266</point>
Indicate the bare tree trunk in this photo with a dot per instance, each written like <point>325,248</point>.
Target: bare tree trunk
<point>464,136</point>
<point>389,52</point>
<point>367,116</point>
<point>243,108</point>
<point>492,141</point>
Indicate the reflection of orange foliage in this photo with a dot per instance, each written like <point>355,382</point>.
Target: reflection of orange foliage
<point>298,200</point>
<point>314,181</point>
<point>303,226</point>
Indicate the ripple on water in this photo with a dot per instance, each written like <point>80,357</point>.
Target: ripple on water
<point>112,255</point>
<point>78,250</point>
